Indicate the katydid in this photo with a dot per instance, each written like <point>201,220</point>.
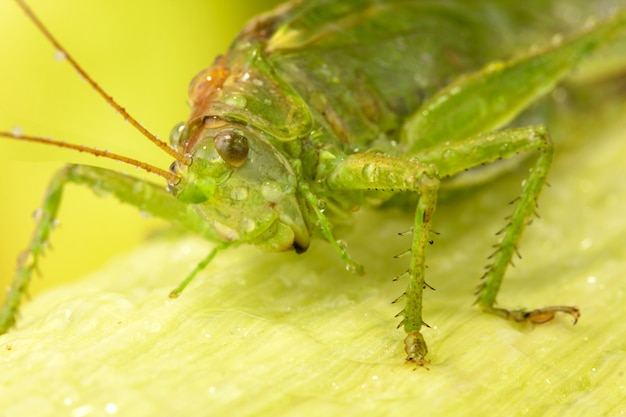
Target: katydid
<point>320,107</point>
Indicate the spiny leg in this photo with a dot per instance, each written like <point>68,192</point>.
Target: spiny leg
<point>377,171</point>
<point>414,343</point>
<point>488,148</point>
<point>506,248</point>
<point>147,197</point>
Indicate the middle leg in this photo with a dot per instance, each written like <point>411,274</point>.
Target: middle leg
<point>381,172</point>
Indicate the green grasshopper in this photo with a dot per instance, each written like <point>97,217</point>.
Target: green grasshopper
<point>321,107</point>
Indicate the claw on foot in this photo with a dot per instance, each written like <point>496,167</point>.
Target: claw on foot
<point>416,349</point>
<point>542,315</point>
<point>537,316</point>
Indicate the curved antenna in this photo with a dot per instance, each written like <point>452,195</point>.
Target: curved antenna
<point>170,177</point>
<point>185,159</point>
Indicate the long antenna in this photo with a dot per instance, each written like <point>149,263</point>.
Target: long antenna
<point>185,159</point>
<point>96,152</point>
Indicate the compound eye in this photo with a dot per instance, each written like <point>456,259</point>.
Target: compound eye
<point>232,147</point>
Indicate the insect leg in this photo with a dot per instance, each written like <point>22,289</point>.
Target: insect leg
<point>147,197</point>
<point>488,148</point>
<point>378,171</point>
<point>181,287</point>
<point>325,228</point>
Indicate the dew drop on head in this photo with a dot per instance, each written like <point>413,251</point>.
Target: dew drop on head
<point>271,192</point>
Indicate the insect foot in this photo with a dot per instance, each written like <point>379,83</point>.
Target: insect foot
<point>416,349</point>
<point>537,316</point>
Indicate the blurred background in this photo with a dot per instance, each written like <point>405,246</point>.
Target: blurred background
<point>144,54</point>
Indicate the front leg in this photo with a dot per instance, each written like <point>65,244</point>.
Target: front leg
<point>147,197</point>
<point>381,172</point>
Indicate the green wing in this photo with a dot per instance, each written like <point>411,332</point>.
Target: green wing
<point>362,65</point>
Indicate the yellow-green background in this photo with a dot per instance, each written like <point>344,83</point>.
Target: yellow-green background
<point>282,334</point>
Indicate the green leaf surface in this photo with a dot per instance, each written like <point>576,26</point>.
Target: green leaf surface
<point>286,334</point>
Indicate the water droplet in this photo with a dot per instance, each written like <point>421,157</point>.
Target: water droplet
<point>59,55</point>
<point>225,232</point>
<point>560,95</point>
<point>37,214</point>
<point>354,268</point>
<point>27,259</point>
<point>16,131</point>
<point>370,171</point>
<point>239,194</point>
<point>138,187</point>
<point>236,100</point>
<point>247,224</point>
<point>475,150</point>
<point>448,154</point>
<point>271,192</point>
